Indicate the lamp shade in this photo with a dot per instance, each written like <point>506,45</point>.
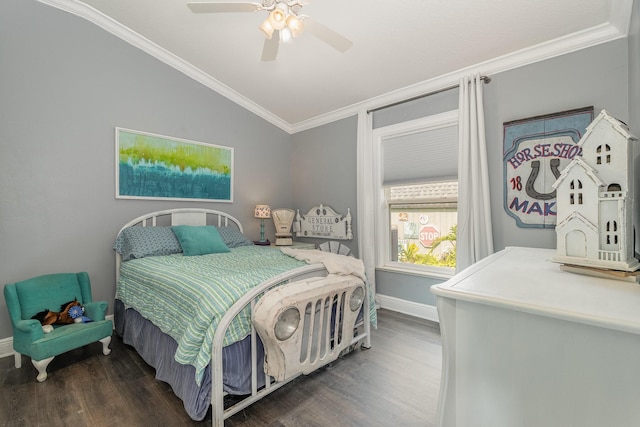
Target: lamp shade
<point>263,211</point>
<point>285,35</point>
<point>278,19</point>
<point>294,24</point>
<point>267,28</point>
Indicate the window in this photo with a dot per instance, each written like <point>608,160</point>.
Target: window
<point>607,149</point>
<point>612,232</point>
<point>573,186</point>
<point>423,223</point>
<point>418,195</point>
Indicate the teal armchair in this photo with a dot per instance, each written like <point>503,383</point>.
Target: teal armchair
<point>29,297</point>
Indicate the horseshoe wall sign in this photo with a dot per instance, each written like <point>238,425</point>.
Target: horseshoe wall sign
<point>535,152</point>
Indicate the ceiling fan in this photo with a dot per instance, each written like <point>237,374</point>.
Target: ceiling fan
<point>283,22</point>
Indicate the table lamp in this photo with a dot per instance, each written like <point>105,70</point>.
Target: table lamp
<point>263,212</point>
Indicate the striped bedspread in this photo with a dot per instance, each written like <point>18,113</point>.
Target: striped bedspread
<point>186,296</point>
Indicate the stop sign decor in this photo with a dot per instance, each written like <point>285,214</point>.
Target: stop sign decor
<point>428,234</point>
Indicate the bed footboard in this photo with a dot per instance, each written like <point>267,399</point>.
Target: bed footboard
<point>327,318</point>
<point>307,324</point>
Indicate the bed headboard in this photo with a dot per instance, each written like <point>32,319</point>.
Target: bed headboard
<point>184,216</point>
<point>180,216</point>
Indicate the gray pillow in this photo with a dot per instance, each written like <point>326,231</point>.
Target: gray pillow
<point>233,238</point>
<point>140,242</point>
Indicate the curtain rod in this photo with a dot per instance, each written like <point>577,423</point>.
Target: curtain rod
<point>485,79</point>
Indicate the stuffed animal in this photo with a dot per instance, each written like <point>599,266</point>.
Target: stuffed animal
<point>77,314</point>
<point>70,312</point>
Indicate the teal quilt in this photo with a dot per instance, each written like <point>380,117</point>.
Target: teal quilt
<point>186,296</point>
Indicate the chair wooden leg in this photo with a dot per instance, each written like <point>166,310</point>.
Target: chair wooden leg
<point>17,359</point>
<point>41,366</point>
<point>105,345</point>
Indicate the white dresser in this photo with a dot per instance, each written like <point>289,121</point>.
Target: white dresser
<point>527,344</point>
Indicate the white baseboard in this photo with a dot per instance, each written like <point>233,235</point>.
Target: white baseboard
<point>6,347</point>
<point>423,311</point>
<point>6,344</point>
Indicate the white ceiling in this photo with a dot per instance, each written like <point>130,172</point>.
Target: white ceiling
<point>401,47</point>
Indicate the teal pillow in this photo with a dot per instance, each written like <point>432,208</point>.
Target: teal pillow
<point>199,240</point>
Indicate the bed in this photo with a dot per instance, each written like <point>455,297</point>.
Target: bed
<point>189,308</point>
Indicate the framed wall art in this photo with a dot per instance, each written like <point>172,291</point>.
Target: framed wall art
<point>536,150</point>
<point>150,166</point>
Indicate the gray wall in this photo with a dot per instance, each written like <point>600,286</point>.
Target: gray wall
<point>634,71</point>
<point>634,106</point>
<point>65,84</point>
<point>598,77</point>
<point>324,171</point>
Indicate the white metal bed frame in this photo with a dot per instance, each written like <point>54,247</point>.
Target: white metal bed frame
<point>199,216</point>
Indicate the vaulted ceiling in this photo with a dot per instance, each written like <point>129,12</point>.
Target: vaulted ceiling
<point>400,47</point>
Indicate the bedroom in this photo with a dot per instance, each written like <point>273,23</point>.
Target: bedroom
<point>63,92</point>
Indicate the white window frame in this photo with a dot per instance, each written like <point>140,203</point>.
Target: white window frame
<point>381,213</point>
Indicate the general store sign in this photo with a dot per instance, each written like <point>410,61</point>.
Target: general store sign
<point>535,152</point>
<point>323,222</point>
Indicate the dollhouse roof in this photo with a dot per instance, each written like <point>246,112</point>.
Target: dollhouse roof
<point>577,162</point>
<point>576,216</point>
<point>618,125</point>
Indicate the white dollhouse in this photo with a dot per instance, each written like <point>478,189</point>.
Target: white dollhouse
<point>595,200</point>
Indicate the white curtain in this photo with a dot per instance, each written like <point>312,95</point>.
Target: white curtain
<point>366,200</point>
<point>474,237</point>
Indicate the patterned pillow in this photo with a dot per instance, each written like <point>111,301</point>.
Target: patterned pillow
<point>233,238</point>
<point>140,242</point>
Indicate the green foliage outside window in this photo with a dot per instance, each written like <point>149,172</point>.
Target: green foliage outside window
<point>447,259</point>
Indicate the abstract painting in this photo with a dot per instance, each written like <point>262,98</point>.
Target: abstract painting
<point>150,166</point>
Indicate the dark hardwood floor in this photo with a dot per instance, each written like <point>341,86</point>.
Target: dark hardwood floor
<point>395,383</point>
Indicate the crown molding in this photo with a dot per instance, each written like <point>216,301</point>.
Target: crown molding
<point>105,22</point>
<point>560,46</point>
<point>620,15</point>
<point>617,27</point>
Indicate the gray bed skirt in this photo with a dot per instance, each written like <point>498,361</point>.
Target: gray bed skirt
<point>158,349</point>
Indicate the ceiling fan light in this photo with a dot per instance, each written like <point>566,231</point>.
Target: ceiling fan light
<point>285,35</point>
<point>267,28</point>
<point>277,19</point>
<point>295,25</point>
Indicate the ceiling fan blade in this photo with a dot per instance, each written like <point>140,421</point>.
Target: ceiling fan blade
<point>221,7</point>
<point>270,49</point>
<point>327,35</point>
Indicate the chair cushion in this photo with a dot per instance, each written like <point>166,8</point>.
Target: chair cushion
<point>68,337</point>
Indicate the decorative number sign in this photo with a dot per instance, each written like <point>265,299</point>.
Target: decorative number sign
<point>535,152</point>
